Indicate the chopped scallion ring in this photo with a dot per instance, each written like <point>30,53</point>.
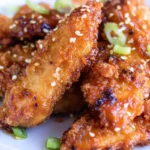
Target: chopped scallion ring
<point>122,50</point>
<point>36,7</point>
<point>53,143</point>
<point>148,49</point>
<point>19,132</point>
<point>64,6</point>
<point>120,39</point>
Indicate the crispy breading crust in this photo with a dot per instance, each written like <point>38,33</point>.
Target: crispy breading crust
<point>116,85</point>
<point>13,61</point>
<point>55,66</point>
<point>86,134</point>
<point>29,25</point>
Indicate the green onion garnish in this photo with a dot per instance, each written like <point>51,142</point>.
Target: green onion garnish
<point>53,143</point>
<point>121,50</point>
<point>19,132</point>
<point>113,27</point>
<point>64,6</point>
<point>36,7</point>
<point>148,49</point>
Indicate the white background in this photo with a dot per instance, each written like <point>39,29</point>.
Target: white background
<point>36,136</point>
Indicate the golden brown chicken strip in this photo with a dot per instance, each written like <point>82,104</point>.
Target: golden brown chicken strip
<point>5,22</point>
<point>28,24</point>
<point>86,134</point>
<point>13,61</point>
<point>117,85</point>
<point>55,66</point>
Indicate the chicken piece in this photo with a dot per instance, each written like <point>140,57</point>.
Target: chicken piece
<point>71,102</point>
<point>5,22</point>
<point>29,25</point>
<point>86,134</point>
<point>55,66</point>
<point>13,61</point>
<point>116,86</point>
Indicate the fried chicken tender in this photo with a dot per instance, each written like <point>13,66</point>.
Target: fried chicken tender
<point>55,66</point>
<point>5,22</point>
<point>116,86</point>
<point>86,134</point>
<point>28,24</point>
<point>13,61</point>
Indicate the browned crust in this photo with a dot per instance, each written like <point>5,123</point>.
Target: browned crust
<point>116,87</point>
<point>30,100</point>
<point>86,134</point>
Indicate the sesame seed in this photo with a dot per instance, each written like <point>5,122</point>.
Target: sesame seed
<point>91,134</point>
<point>131,41</point>
<point>131,69</point>
<point>14,77</point>
<point>117,129</point>
<point>36,64</point>
<point>118,7</point>
<point>45,30</point>
<point>12,26</point>
<point>55,29</point>
<point>126,15</point>
<point>84,16</point>
<point>40,17</point>
<point>32,53</point>
<point>1,67</point>
<point>126,105</point>
<point>32,21</point>
<point>57,69</point>
<point>144,26</point>
<point>28,61</point>
<point>53,39</point>
<point>78,33</point>
<point>133,126</point>
<point>129,114</point>
<point>32,16</point>
<point>72,40</point>
<point>40,46</point>
<point>133,48</point>
<point>123,57</point>
<point>146,95</point>
<point>14,55</point>
<point>53,84</point>
<point>25,30</point>
<point>111,14</point>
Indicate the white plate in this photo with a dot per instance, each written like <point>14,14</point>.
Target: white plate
<point>37,136</point>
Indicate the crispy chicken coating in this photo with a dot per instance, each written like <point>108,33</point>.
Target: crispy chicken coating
<point>13,61</point>
<point>86,134</point>
<point>55,66</point>
<point>117,85</point>
<point>28,24</point>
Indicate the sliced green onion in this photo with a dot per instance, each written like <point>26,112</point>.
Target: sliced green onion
<point>122,50</point>
<point>36,7</point>
<point>53,143</point>
<point>148,49</point>
<point>113,27</point>
<point>64,6</point>
<point>19,132</point>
